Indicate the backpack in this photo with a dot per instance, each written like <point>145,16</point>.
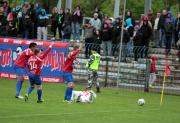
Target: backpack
<point>168,26</point>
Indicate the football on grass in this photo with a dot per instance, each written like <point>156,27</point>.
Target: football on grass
<point>141,102</point>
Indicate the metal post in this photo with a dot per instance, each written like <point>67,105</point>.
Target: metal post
<point>146,86</point>
<point>107,69</point>
<point>69,4</point>
<point>59,4</point>
<point>147,6</point>
<point>116,8</point>
<point>120,49</point>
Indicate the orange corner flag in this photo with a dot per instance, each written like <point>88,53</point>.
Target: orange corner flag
<point>166,73</point>
<point>168,69</point>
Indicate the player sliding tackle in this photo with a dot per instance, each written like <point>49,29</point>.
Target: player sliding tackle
<point>67,71</point>
<point>34,67</point>
<point>20,67</point>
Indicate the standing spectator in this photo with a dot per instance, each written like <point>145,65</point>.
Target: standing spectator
<point>98,11</point>
<point>177,29</point>
<point>106,39</point>
<point>108,21</point>
<point>76,22</point>
<point>54,22</point>
<point>3,23</point>
<point>68,17</point>
<point>137,43</point>
<point>42,25</point>
<point>130,23</point>
<point>97,40</point>
<point>168,30</point>
<point>12,24</point>
<point>7,9</point>
<point>88,34</point>
<point>26,21</point>
<point>146,31</point>
<point>116,38</point>
<point>67,25</point>
<point>36,13</point>
<point>96,22</point>
<point>150,17</point>
<point>116,30</point>
<point>60,21</point>
<point>161,28</point>
<point>156,31</point>
<point>20,21</point>
<point>67,32</point>
<point>172,18</point>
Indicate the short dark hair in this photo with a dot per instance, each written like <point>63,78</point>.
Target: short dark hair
<point>31,45</point>
<point>36,51</point>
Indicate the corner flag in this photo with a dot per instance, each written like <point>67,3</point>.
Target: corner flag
<point>166,73</point>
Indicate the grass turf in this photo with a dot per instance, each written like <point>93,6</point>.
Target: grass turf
<point>111,106</point>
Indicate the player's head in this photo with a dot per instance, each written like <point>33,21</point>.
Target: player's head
<point>93,50</point>
<point>32,46</point>
<point>153,57</point>
<point>36,51</point>
<point>75,47</point>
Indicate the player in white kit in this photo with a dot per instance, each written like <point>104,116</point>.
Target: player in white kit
<point>86,96</point>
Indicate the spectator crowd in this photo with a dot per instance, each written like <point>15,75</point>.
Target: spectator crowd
<point>31,22</point>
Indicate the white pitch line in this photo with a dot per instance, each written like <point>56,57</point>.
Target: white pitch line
<point>73,113</point>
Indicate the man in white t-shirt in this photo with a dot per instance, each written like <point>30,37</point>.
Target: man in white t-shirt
<point>96,22</point>
<point>156,31</point>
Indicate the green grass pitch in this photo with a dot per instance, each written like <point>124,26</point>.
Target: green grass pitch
<point>111,106</point>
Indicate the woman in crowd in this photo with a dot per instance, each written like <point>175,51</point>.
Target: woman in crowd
<point>60,21</point>
<point>54,22</point>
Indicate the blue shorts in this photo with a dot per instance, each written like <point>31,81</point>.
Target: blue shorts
<point>34,79</point>
<point>68,77</point>
<point>19,71</point>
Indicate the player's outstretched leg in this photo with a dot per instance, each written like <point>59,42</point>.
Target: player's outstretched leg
<point>18,87</point>
<point>68,92</point>
<point>30,89</point>
<point>97,87</point>
<point>39,93</point>
<point>95,77</point>
<point>90,77</point>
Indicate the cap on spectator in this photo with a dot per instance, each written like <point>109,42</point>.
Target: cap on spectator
<point>95,14</point>
<point>43,11</point>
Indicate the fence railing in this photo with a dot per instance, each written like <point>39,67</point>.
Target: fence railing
<point>134,68</point>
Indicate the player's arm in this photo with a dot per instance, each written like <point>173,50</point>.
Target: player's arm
<point>47,51</point>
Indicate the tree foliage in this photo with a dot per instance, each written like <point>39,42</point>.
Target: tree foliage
<point>136,6</point>
<point>107,6</point>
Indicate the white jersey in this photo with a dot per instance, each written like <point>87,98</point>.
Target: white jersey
<point>83,96</point>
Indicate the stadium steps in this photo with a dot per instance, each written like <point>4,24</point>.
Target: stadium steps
<point>132,73</point>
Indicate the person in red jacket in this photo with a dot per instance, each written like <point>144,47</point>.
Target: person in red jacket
<point>35,63</point>
<point>152,76</point>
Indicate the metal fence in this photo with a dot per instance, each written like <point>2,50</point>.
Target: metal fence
<point>134,68</point>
